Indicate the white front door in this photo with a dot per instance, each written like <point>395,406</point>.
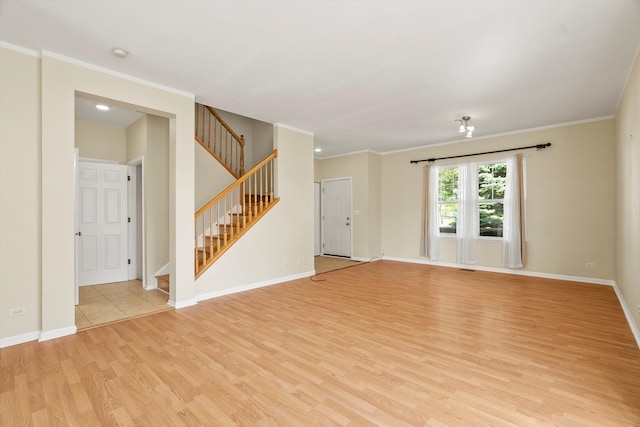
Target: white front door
<point>101,223</point>
<point>336,211</point>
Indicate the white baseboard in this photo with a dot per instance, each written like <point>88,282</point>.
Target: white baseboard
<point>182,304</point>
<point>627,313</point>
<point>19,339</point>
<point>57,333</point>
<point>250,286</point>
<point>507,271</point>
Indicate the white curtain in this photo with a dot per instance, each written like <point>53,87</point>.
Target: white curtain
<point>467,226</point>
<point>430,231</point>
<point>513,241</point>
<point>434,216</point>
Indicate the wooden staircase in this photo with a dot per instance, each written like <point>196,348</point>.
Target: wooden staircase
<point>230,214</point>
<point>213,246</point>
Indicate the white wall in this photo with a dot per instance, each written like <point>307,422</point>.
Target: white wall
<point>570,200</point>
<point>287,227</point>
<point>628,194</point>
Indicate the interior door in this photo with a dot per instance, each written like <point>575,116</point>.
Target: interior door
<point>336,214</point>
<point>101,223</point>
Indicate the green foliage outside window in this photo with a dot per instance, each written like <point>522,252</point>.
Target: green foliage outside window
<point>448,192</point>
<point>492,179</point>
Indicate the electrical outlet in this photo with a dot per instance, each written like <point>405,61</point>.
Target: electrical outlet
<point>590,265</point>
<point>298,261</point>
<point>17,311</point>
<point>285,264</point>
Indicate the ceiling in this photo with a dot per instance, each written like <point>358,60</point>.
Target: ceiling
<point>116,116</point>
<point>360,75</point>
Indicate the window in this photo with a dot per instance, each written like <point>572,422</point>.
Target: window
<point>448,199</point>
<point>492,178</point>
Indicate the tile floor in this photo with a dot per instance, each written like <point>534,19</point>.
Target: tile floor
<point>109,302</point>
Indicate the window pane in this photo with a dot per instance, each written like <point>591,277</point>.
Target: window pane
<point>491,216</point>
<point>448,213</point>
<point>491,181</point>
<point>448,184</point>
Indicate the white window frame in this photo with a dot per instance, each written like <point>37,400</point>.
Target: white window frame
<point>447,235</point>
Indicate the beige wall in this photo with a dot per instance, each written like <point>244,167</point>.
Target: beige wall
<point>156,196</point>
<point>61,82</point>
<point>20,184</point>
<point>211,177</point>
<point>148,138</point>
<point>628,192</point>
<point>281,243</point>
<point>136,138</point>
<point>99,141</point>
<point>258,136</point>
<point>364,171</point>
<point>570,200</point>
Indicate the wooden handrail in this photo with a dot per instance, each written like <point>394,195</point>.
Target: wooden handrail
<point>240,138</point>
<point>229,215</point>
<point>236,183</point>
<point>217,137</point>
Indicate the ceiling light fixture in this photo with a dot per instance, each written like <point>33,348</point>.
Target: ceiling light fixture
<point>120,53</point>
<point>465,126</point>
<point>102,107</point>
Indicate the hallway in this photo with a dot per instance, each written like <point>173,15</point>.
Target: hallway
<point>100,304</point>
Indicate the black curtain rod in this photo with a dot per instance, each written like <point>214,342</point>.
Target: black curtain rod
<point>537,147</point>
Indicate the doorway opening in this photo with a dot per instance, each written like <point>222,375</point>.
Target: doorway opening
<point>111,277</point>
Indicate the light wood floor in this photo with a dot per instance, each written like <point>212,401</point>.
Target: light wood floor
<point>322,264</point>
<point>110,302</point>
<point>382,343</point>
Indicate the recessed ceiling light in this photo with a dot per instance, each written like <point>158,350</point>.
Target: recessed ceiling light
<point>317,149</point>
<point>120,53</point>
<point>102,107</point>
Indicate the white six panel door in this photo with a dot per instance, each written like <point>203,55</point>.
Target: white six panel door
<point>336,211</point>
<point>102,223</point>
